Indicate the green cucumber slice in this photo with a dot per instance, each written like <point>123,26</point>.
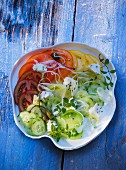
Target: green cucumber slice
<point>22,114</point>
<point>38,128</point>
<point>37,110</point>
<point>29,108</point>
<point>71,118</point>
<point>28,119</point>
<point>78,136</point>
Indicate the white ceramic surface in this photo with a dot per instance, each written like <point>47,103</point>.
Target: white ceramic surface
<point>108,110</point>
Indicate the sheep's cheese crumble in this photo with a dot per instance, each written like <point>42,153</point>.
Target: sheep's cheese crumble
<point>71,85</point>
<point>49,124</point>
<point>95,68</point>
<point>45,94</point>
<point>39,67</point>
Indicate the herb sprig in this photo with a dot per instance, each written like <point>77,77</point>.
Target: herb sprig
<point>58,132</point>
<point>66,104</point>
<point>108,80</point>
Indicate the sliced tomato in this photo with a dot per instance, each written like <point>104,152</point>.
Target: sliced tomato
<point>25,68</point>
<point>63,56</point>
<point>26,99</point>
<point>40,57</point>
<point>23,86</point>
<point>63,72</point>
<point>31,75</point>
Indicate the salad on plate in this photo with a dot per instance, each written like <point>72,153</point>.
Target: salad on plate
<point>60,92</point>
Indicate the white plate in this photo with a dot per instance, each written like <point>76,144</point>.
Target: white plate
<point>108,109</point>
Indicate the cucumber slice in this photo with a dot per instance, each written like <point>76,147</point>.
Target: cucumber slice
<point>28,119</point>
<point>80,94</point>
<point>88,100</point>
<point>59,91</point>
<point>22,114</point>
<point>37,110</point>
<point>61,122</point>
<point>30,107</point>
<point>38,128</point>
<point>71,118</point>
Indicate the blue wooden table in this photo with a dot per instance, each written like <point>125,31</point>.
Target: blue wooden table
<point>29,24</point>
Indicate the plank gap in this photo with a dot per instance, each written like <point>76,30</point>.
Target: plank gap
<point>74,19</point>
<point>62,161</point>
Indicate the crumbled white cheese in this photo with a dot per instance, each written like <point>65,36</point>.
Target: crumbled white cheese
<point>95,68</point>
<point>39,67</point>
<point>71,85</point>
<point>45,94</point>
<point>55,113</point>
<point>49,124</point>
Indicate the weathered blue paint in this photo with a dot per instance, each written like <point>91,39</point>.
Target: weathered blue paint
<point>102,24</point>
<point>29,24</point>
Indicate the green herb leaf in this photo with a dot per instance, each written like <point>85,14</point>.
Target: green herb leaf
<point>112,71</point>
<point>68,104</point>
<point>65,100</point>
<point>58,107</point>
<point>107,61</point>
<point>108,77</point>
<point>55,109</point>
<point>104,72</point>
<point>63,110</point>
<point>73,104</point>
<point>111,84</point>
<point>66,126</point>
<point>106,84</point>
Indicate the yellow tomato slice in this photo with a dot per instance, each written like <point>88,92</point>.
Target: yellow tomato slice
<point>82,60</point>
<point>95,59</point>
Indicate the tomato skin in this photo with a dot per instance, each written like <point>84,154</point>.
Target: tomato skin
<point>40,57</point>
<point>22,86</point>
<point>31,75</point>
<point>26,99</point>
<point>64,72</point>
<point>26,67</point>
<point>66,59</point>
<point>47,55</point>
<point>65,55</point>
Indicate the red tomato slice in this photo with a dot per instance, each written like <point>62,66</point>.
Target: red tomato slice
<point>31,75</point>
<point>26,99</point>
<point>40,57</point>
<point>65,57</point>
<point>63,72</point>
<point>25,68</point>
<point>23,86</point>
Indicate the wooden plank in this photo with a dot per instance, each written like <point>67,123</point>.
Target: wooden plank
<point>102,25</point>
<point>116,132</point>
<point>26,25</point>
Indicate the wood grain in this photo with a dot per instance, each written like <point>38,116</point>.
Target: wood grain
<point>26,25</point>
<point>102,25</point>
<point>29,24</point>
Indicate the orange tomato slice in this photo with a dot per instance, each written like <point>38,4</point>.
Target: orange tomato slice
<point>40,58</point>
<point>65,57</point>
<point>26,67</point>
